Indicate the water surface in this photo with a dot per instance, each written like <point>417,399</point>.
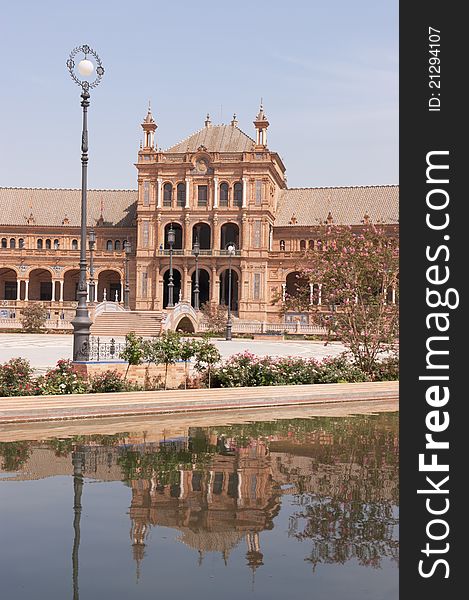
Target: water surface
<point>298,508</point>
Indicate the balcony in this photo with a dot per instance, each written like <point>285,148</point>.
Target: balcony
<point>165,252</point>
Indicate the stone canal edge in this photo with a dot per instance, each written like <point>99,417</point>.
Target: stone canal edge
<point>23,409</point>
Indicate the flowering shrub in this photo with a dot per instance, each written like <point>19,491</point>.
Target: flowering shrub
<point>16,378</point>
<point>110,381</point>
<point>247,369</point>
<point>62,380</point>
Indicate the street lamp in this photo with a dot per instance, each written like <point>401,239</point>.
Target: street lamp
<point>128,250</point>
<point>231,249</point>
<point>196,252</point>
<point>91,244</point>
<point>171,240</point>
<point>84,69</point>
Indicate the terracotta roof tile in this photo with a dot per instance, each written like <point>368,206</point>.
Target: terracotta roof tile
<point>347,205</point>
<point>58,207</point>
<point>216,138</point>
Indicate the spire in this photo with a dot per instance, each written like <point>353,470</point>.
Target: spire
<point>261,123</point>
<point>149,118</point>
<point>234,121</point>
<point>149,127</point>
<point>207,121</point>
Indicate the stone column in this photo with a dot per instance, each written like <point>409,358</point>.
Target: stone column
<point>61,281</point>
<point>311,293</point>
<point>187,245</point>
<point>156,299</point>
<point>159,201</point>
<point>393,295</point>
<point>18,288</point>
<point>188,188</point>
<point>214,287</point>
<point>284,291</point>
<point>215,233</point>
<point>245,192</point>
<point>26,289</point>
<point>185,285</point>
<point>53,291</point>
<point>122,291</point>
<point>215,192</point>
<point>320,294</point>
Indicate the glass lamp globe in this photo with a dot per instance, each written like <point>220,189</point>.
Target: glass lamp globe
<point>85,67</point>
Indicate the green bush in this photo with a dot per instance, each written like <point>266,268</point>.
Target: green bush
<point>62,380</point>
<point>111,381</point>
<point>16,378</point>
<point>33,318</point>
<point>246,369</point>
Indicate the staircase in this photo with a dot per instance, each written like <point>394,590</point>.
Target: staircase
<point>118,324</point>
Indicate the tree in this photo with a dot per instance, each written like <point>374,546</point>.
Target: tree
<point>357,271</point>
<point>33,318</point>
<point>133,351</point>
<point>165,350</point>
<point>188,350</point>
<point>215,316</point>
<point>206,356</point>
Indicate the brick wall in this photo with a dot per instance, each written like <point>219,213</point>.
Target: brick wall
<point>137,373</point>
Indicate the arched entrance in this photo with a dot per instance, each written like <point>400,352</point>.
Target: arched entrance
<point>185,325</point>
<point>71,285</point>
<point>229,233</point>
<point>224,291</point>
<point>40,285</point>
<point>177,234</point>
<point>8,284</point>
<point>296,285</point>
<point>176,289</point>
<point>110,281</point>
<point>204,287</point>
<point>202,232</point>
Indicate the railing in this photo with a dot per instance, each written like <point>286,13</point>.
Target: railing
<point>242,326</point>
<point>100,350</point>
<point>210,252</point>
<point>55,324</point>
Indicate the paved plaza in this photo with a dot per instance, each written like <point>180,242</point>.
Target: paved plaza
<point>44,350</point>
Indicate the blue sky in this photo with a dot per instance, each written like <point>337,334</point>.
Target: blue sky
<point>327,71</point>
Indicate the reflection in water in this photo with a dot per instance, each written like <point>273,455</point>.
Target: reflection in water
<point>218,486</point>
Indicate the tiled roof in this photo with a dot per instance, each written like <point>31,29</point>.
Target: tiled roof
<point>216,138</point>
<point>347,205</point>
<point>62,207</point>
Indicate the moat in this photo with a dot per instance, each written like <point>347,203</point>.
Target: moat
<point>298,508</point>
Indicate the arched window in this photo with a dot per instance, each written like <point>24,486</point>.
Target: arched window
<point>4,242</point>
<point>302,245</point>
<point>181,194</point>
<point>48,244</point>
<point>12,243</point>
<point>21,243</point>
<point>117,246</point>
<point>238,194</point>
<point>311,244</point>
<point>109,246</point>
<point>74,244</point>
<point>224,194</point>
<point>39,244</point>
<point>282,245</point>
<point>167,194</point>
<point>56,244</point>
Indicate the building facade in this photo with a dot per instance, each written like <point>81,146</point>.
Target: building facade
<point>218,187</point>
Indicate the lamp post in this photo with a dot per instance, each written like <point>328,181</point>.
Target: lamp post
<point>91,244</point>
<point>78,462</point>
<point>171,240</point>
<point>84,69</point>
<point>231,249</point>
<point>128,250</point>
<point>196,252</point>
